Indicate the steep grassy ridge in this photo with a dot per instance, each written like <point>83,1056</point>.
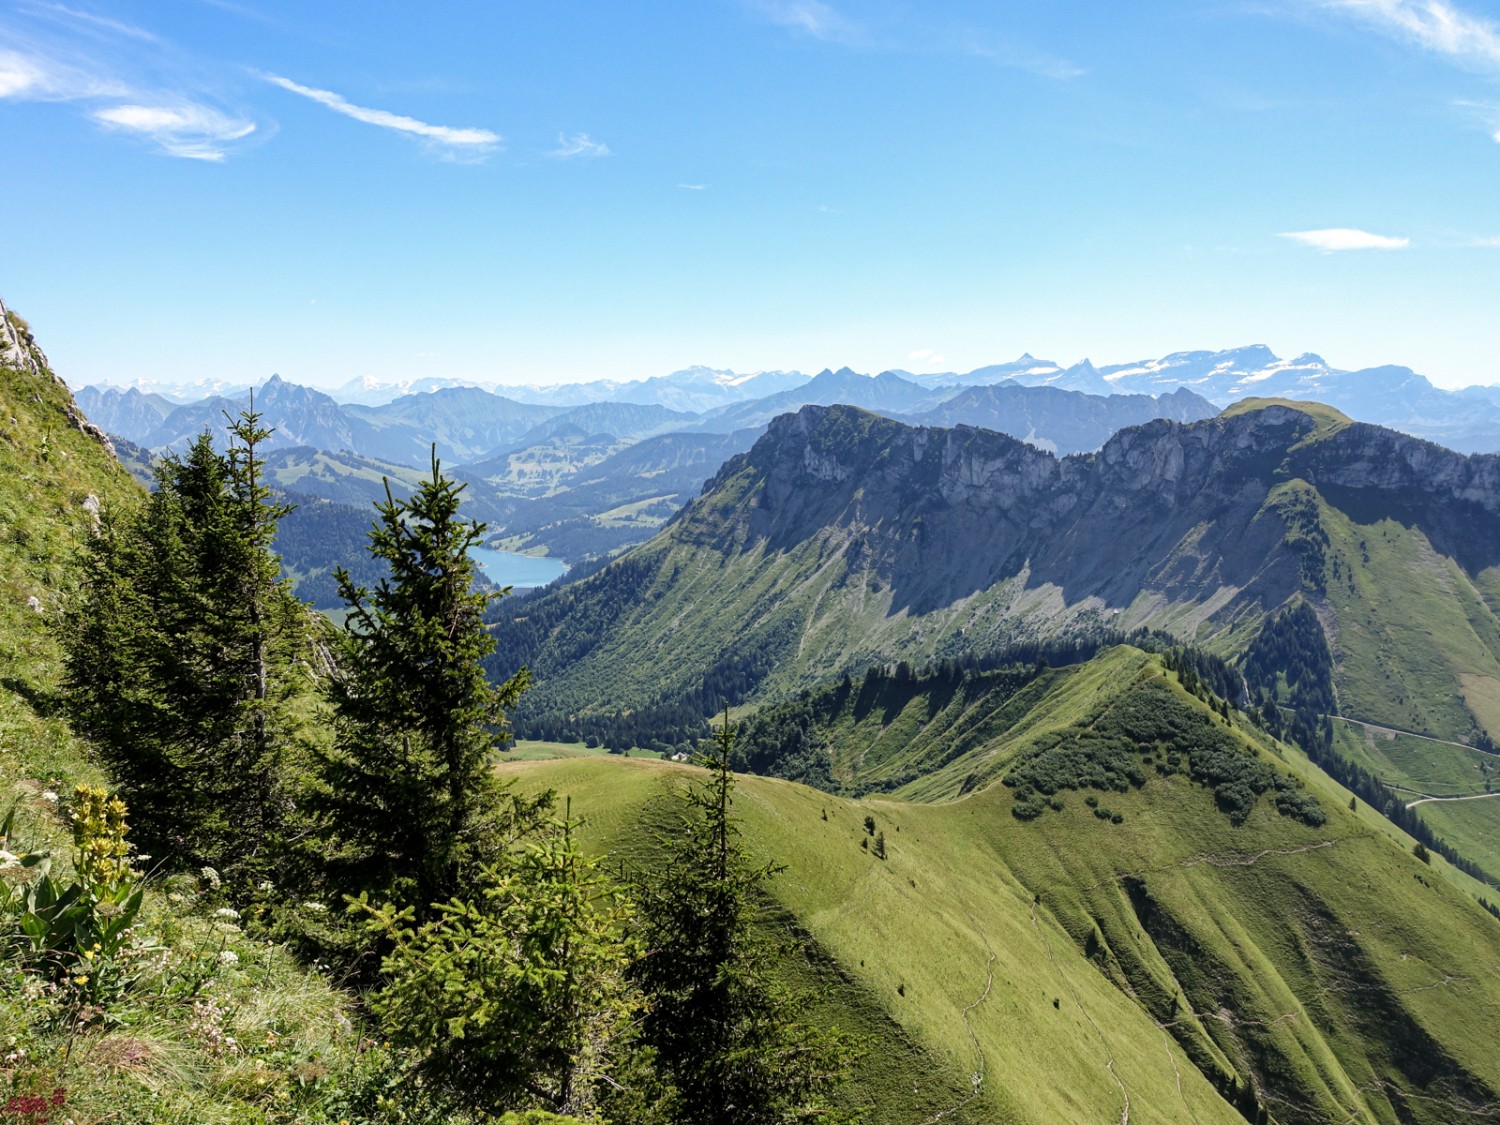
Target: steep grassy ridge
<point>50,468</point>
<point>1416,646</point>
<point>1319,973</point>
<point>917,956</point>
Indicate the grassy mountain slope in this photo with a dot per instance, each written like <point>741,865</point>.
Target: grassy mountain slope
<point>1177,958</point>
<point>219,1029</point>
<point>50,467</point>
<point>842,538</point>
<point>345,477</point>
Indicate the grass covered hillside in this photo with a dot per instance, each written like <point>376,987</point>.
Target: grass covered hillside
<point>216,1027</point>
<point>56,474</point>
<point>1143,946</point>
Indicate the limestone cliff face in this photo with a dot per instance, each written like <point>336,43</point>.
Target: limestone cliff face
<point>1374,459</point>
<point>1165,511</point>
<point>820,457</point>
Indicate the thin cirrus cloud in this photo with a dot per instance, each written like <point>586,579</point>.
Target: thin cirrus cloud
<point>822,21</point>
<point>193,132</point>
<point>579,144</point>
<point>1434,25</point>
<point>177,124</point>
<point>1333,239</point>
<point>97,22</point>
<point>812,17</point>
<point>465,144</point>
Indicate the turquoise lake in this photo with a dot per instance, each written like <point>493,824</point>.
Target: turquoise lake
<point>510,569</point>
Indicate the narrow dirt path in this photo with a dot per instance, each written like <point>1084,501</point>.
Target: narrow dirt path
<point>1471,797</point>
<point>1250,859</point>
<point>977,1077</point>
<point>1167,1042</point>
<point>1231,859</point>
<point>1109,1063</point>
<point>1406,733</point>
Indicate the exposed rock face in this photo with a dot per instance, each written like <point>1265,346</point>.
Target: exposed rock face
<point>1164,514</point>
<point>1175,465</point>
<point>18,348</point>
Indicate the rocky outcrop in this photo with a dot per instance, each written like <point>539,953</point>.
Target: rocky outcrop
<point>19,349</point>
<point>1172,463</point>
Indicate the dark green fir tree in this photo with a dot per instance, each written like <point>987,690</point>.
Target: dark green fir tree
<point>725,1030</point>
<point>408,799</point>
<point>182,651</point>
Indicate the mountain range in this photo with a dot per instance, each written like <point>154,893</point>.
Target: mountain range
<point>538,474</point>
<point>1392,396</point>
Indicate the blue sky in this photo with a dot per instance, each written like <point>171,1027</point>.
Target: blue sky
<point>550,192</point>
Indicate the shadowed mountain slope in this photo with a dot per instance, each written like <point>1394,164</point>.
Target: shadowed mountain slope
<point>842,538</point>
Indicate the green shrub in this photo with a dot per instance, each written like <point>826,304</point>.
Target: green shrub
<point>74,933</point>
<point>518,996</point>
<point>1111,752</point>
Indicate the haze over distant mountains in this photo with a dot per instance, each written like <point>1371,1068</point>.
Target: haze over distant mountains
<point>1467,420</point>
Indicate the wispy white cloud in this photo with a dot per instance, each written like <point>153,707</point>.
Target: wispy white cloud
<point>1345,238</point>
<point>579,144</point>
<point>465,143</point>
<point>693,187</point>
<point>94,21</point>
<point>905,35</point>
<point>179,124</point>
<point>192,131</point>
<point>811,17</point>
<point>38,76</point>
<point>1038,63</point>
<point>1434,25</point>
<point>926,357</point>
<point>19,76</point>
